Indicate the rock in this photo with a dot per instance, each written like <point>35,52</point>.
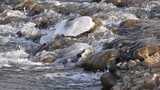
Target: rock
<point>155,12</point>
<point>15,13</point>
<point>75,27</point>
<point>108,81</point>
<point>42,22</point>
<point>29,31</point>
<point>129,24</point>
<point>141,29</point>
<point>114,19</point>
<point>12,16</point>
<point>24,4</point>
<point>45,57</point>
<point>35,9</point>
<point>101,60</point>
<point>32,7</point>
<point>150,54</point>
<point>147,50</point>
<point>71,52</point>
<point>62,42</point>
<point>118,3</point>
<point>73,49</point>
<point>127,3</point>
<point>96,1</point>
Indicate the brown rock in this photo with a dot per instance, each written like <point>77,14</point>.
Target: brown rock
<point>101,60</point>
<point>129,24</point>
<point>45,57</point>
<point>119,3</point>
<point>128,3</point>
<point>108,81</point>
<point>42,22</point>
<point>32,7</point>
<point>62,42</point>
<point>150,55</point>
<point>35,9</point>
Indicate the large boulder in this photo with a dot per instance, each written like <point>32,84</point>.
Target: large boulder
<point>75,27</point>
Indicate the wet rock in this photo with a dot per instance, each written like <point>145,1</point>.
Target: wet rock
<point>46,19</point>
<point>31,6</point>
<point>119,3</point>
<point>24,4</point>
<point>96,1</point>
<point>12,16</point>
<point>150,54</point>
<point>4,7</point>
<point>71,52</point>
<point>129,24</point>
<point>101,61</point>
<point>11,2</point>
<point>127,3</point>
<point>75,27</point>
<point>15,13</point>
<point>115,18</point>
<point>155,12</point>
<point>29,31</point>
<point>35,9</point>
<point>108,81</point>
<point>62,42</point>
<point>45,57</point>
<point>146,50</point>
<point>42,22</point>
<point>141,29</point>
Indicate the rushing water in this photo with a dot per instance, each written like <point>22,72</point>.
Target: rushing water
<point>19,73</point>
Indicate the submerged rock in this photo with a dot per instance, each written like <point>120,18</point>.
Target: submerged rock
<point>75,27</point>
<point>115,18</point>
<point>108,80</point>
<point>31,6</point>
<point>45,57</point>
<point>141,29</point>
<point>73,49</point>
<point>129,24</point>
<point>62,42</point>
<point>127,3</point>
<point>155,12</point>
<point>29,31</point>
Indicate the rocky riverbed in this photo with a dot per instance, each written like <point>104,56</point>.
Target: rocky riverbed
<point>79,44</point>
